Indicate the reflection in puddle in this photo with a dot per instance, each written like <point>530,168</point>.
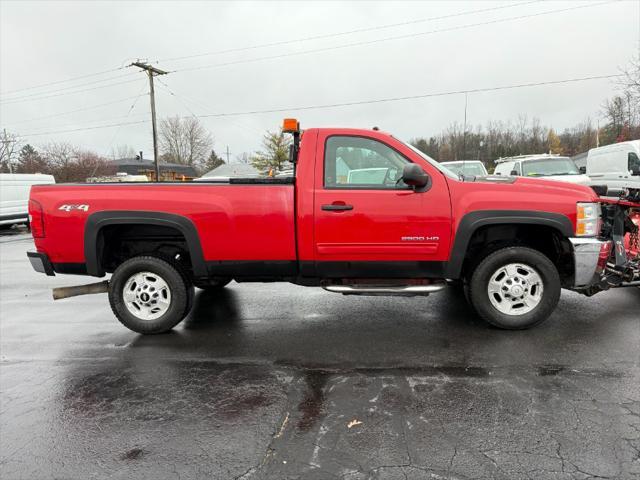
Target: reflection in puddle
<point>312,404</point>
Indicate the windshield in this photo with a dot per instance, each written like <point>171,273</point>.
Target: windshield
<point>549,166</point>
<point>471,168</point>
<point>442,168</point>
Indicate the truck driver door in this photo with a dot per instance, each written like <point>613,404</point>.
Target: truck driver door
<point>367,222</point>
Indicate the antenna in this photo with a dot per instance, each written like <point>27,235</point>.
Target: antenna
<point>464,135</point>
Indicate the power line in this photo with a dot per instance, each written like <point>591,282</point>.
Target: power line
<point>133,104</point>
<point>243,128</point>
<point>84,128</point>
<point>90,122</point>
<point>348,32</point>
<point>93,107</point>
<point>166,87</point>
<point>266,45</point>
<point>393,38</point>
<point>42,94</point>
<point>8,102</point>
<point>364,102</point>
<point>56,93</point>
<point>88,75</point>
<point>414,97</point>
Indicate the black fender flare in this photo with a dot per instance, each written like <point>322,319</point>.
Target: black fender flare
<point>471,222</point>
<point>97,221</point>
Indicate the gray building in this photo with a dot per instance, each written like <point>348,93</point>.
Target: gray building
<point>137,166</point>
<point>234,170</point>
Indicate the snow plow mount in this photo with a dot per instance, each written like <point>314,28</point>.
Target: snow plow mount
<point>620,226</point>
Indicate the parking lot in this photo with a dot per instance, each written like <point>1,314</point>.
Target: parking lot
<point>278,381</point>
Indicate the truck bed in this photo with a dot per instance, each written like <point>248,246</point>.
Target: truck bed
<point>241,222</point>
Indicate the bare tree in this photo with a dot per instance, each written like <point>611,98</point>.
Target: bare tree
<point>622,114</point>
<point>184,141</point>
<point>623,110</point>
<point>89,164</point>
<point>60,156</point>
<point>123,151</point>
<point>8,151</point>
<point>630,82</point>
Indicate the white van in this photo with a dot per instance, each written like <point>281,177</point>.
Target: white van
<point>616,165</point>
<point>14,195</point>
<point>546,166</point>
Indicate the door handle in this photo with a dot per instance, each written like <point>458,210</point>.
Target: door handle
<point>337,207</point>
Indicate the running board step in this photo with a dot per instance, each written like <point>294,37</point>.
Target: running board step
<point>400,290</point>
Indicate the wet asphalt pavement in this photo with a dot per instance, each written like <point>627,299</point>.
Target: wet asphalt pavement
<point>277,381</point>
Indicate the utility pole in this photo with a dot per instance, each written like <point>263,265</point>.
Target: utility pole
<point>152,72</point>
<point>464,133</point>
<point>228,154</point>
<point>7,150</point>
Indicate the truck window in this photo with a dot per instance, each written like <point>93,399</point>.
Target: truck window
<point>504,168</point>
<point>357,162</point>
<point>633,161</point>
<point>545,167</point>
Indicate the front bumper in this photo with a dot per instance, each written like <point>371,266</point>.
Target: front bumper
<point>41,263</point>
<point>589,259</point>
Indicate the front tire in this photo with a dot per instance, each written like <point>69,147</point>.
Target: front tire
<point>149,295</point>
<point>515,288</point>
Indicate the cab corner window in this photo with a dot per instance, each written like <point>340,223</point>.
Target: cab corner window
<point>357,162</point>
<point>634,161</point>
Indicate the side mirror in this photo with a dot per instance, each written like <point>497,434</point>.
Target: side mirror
<point>415,177</point>
<point>514,173</point>
<point>635,171</point>
<point>583,170</point>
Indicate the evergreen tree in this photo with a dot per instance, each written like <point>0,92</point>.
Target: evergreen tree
<point>30,161</point>
<point>275,154</point>
<point>214,161</point>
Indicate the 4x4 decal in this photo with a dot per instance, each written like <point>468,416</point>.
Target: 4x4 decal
<point>68,208</point>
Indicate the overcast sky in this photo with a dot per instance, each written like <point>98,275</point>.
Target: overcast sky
<point>46,42</point>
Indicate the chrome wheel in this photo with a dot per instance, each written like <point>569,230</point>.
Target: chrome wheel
<point>146,295</point>
<point>515,289</point>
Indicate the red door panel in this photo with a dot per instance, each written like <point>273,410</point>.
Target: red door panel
<point>378,224</point>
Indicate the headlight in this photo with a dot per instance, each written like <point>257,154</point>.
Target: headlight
<point>588,223</point>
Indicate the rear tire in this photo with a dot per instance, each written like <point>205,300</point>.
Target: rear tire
<point>149,295</point>
<point>515,288</point>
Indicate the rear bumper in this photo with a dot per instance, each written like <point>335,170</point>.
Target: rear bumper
<point>589,258</point>
<point>41,263</point>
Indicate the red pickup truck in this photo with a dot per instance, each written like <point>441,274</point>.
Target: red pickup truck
<point>364,213</point>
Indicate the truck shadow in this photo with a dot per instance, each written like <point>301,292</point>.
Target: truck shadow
<point>212,308</point>
<point>321,331</point>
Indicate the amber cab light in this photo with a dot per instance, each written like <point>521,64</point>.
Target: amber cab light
<point>290,125</point>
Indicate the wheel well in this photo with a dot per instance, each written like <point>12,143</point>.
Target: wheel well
<point>120,242</point>
<point>544,239</point>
